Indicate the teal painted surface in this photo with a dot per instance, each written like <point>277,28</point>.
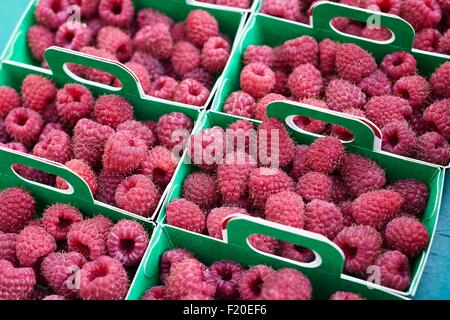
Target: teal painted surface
<point>10,12</point>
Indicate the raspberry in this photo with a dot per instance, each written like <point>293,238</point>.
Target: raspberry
<point>427,39</point>
<point>73,36</point>
<point>39,38</point>
<point>286,208</point>
<point>160,165</point>
<point>139,130</point>
<point>305,81</point>
<point>189,277</point>
<point>226,275</point>
<point>58,219</point>
<point>137,194</point>
<point>177,32</point>
<point>217,217</point>
<point>281,81</point>
<point>118,13</point>
<point>286,9</point>
<point>206,149</point>
<point>341,95</point>
<point>88,237</point>
<point>52,13</point>
<point>95,24</point>
<point>361,245</point>
<point>95,74</point>
<point>200,26</point>
<point>286,284</point>
<point>127,242</point>
<point>264,182</point>
<point>421,13</point>
<point>376,84</point>
<point>440,81</point>
<point>83,171</point>
<point>60,269</point>
<point>376,33</point>
<point>354,63</point>
<point>155,293</point>
<point>74,102</point>
<point>252,280</point>
<point>385,109</point>
<point>191,92</point>
<point>398,138</point>
<point>415,89</point>
<point>325,154</point>
<point>215,54</point>
<point>187,215</point>
<point>444,43</point>
<point>243,4</point>
<point>163,88</point>
<point>361,174</point>
<point>171,258</point>
<point>432,147</point>
<point>38,92</point>
<point>15,283</point>
<point>327,56</point>
<point>154,67</point>
<point>261,106</point>
<point>324,218</point>
<point>394,270</point>
<point>33,244</point>
<point>16,210</point>
<point>169,127</point>
<point>399,64</point>
<point>414,193</point>
<point>315,185</point>
<point>115,41</point>
<point>23,125</point>
<point>258,54</point>
<point>49,127</point>
<point>239,132</point>
<point>201,189</point>
<point>112,110</point>
<point>202,76</point>
<point>149,16</point>
<point>407,235</point>
<point>185,57</point>
<point>103,279</point>
<point>55,146</point>
<point>8,247</point>
<point>257,79</point>
<point>107,185</point>
<point>301,50</point>
<point>296,253</point>
<point>342,295</point>
<point>264,243</point>
<point>88,7</point>
<point>240,104</point>
<point>9,100</point>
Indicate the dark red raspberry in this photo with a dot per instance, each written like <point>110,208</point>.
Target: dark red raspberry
<point>140,130</point>
<point>155,40</point>
<point>16,283</point>
<point>286,284</point>
<point>9,100</point>
<point>432,147</point>
<point>201,189</point>
<point>239,103</point>
<point>252,280</point>
<point>23,125</point>
<point>421,13</point>
<point>112,110</point>
<point>286,9</point>
<point>185,57</point>
<point>427,39</point>
<point>226,275</point>
<point>164,88</point>
<point>260,54</point>
<point>286,208</point>
<point>191,92</point>
<point>215,54</point>
<point>74,102</point>
<point>173,128</point>
<point>407,235</point>
<point>440,81</point>
<point>202,76</point>
<point>354,63</point>
<point>39,38</point>
<point>115,41</point>
<point>84,171</point>
<point>74,36</point>
<point>154,67</point>
<point>414,193</point>
<point>342,94</point>
<point>95,74</point>
<point>398,138</point>
<point>52,13</point>
<point>38,92</point>
<point>342,296</point>
<point>171,258</point>
<point>305,81</point>
<point>58,218</point>
<point>257,79</point>
<point>33,244</point>
<point>399,64</point>
<point>217,217</point>
<point>376,84</point>
<point>385,109</point>
<point>299,163</point>
<point>261,106</point>
<point>118,13</point>
<point>200,26</point>
<point>315,185</point>
<point>155,293</point>
<point>186,215</point>
<point>301,50</point>
<point>394,270</point>
<point>107,185</point>
<point>415,89</point>
<point>56,146</point>
<point>159,165</point>
<point>325,154</point>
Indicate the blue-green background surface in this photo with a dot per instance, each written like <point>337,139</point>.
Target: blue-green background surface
<point>435,283</point>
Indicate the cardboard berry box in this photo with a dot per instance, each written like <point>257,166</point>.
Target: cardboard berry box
<point>231,24</point>
<point>364,143</point>
<point>263,29</point>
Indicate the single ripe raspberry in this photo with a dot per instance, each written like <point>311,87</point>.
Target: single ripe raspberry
<point>38,92</point>
<point>327,56</point>
<point>73,36</point>
<point>281,83</point>
<point>201,189</point>
<point>23,125</point>
<point>60,271</point>
<point>187,215</point>
<point>39,38</point>
<point>243,4</point>
<point>9,100</point>
<point>239,135</point>
<point>407,235</point>
<point>185,57</point>
<point>15,283</point>
<point>156,40</point>
<point>354,63</point>
<point>164,88</point>
<point>394,270</point>
<point>191,92</point>
<point>58,219</point>
<point>444,43</point>
<point>427,39</point>
<point>414,89</point>
<point>118,13</point>
<point>261,106</point>
<point>286,9</point>
<point>56,146</point>
<point>177,32</point>
<point>432,147</point>
<point>440,81</point>
<point>171,258</point>
<point>155,293</point>
<point>296,253</point>
<point>88,7</point>
<point>342,95</point>
<point>299,163</point>
<point>398,138</point>
<point>421,13</point>
<point>301,50</point>
<point>286,284</point>
<point>200,26</point>
<point>8,247</point>
<point>154,67</point>
<point>202,76</point>
<point>286,208</point>
<point>342,295</point>
<point>92,74</point>
<point>361,245</point>
<point>107,185</point>
<point>159,165</point>
<point>52,13</point>
<point>206,149</point>
<point>240,104</point>
<point>74,102</point>
<point>173,128</point>
<point>260,54</point>
<point>325,154</point>
<point>149,16</point>
<point>414,193</point>
<point>127,242</point>
<point>140,130</point>
<point>226,275</point>
<point>315,185</point>
<point>399,64</point>
<point>215,54</point>
<point>305,81</point>
<point>217,217</point>
<point>112,110</point>
<point>137,194</point>
<point>257,79</point>
<point>84,171</point>
<point>324,218</point>
<point>252,280</point>
<point>115,41</point>
<point>376,84</point>
<point>385,109</point>
<point>361,174</point>
<point>103,279</point>
<point>33,244</point>
<point>17,209</point>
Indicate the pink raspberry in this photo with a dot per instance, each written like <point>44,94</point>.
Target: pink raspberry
<point>399,64</point>
<point>200,26</point>
<point>154,67</point>
<point>38,92</point>
<point>74,102</point>
<point>202,76</point>
<point>261,106</point>
<point>107,185</point>
<point>118,13</point>
<point>398,138</point>
<point>49,127</point>
<point>327,56</point>
<point>170,127</point>
<point>187,215</point>
<point>201,189</point>
<point>177,32</point>
<point>159,165</point>
<point>432,147</point>
<point>39,38</point>
<point>301,50</point>
<point>361,174</point>
<point>286,208</point>
<point>164,88</point>
<point>310,124</point>
<point>361,245</point>
<point>347,215</point>
<point>414,193</point>
<point>376,33</point>
<point>185,57</point>
<point>155,293</point>
<point>325,154</point>
<point>341,95</point>
<point>414,89</point>
<point>296,253</point>
<point>376,84</point>
<point>112,110</point>
<point>259,54</point>
<point>286,9</point>
<point>95,74</point>
<point>73,36</point>
<point>257,79</point>
<point>155,40</point>
<point>58,219</point>
<point>243,4</point>
<point>149,16</point>
<point>407,235</point>
<point>103,279</point>
<point>15,283</point>
<point>60,270</point>
<point>84,171</point>
<point>299,163</point>
<point>137,194</point>
<point>385,109</point>
<point>264,243</point>
<point>215,54</point>
<point>240,104</point>
<point>23,125</point>
<point>286,284</point>
<point>88,7</point>
<point>191,92</point>
<point>56,146</point>
<point>115,41</point>
<point>216,219</point>
<point>440,81</point>
<point>252,280</point>
<point>171,258</point>
<point>8,247</point>
<point>421,13</point>
<point>239,135</point>
<point>315,185</point>
<point>9,100</point>
<point>226,275</point>
<point>444,43</point>
<point>281,83</point>
<point>305,81</point>
<point>140,130</point>
<point>33,244</point>
<point>394,270</point>
<point>52,13</point>
<point>428,39</point>
<point>354,63</point>
<point>206,149</point>
<point>127,242</point>
<point>342,296</point>
<point>324,218</point>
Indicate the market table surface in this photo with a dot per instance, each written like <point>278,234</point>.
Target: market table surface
<point>435,282</point>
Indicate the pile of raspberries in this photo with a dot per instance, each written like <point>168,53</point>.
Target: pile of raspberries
<point>411,111</point>
<point>319,188</point>
<point>125,162</point>
<point>176,61</point>
<point>63,255</point>
<point>429,18</point>
<point>183,277</point>
<point>241,4</point>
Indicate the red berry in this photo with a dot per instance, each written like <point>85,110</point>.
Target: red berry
<point>159,165</point>
<point>354,63</point>
<point>257,79</point>
<point>58,218</point>
<point>200,26</point>
<point>407,235</point>
<point>39,38</point>
<point>187,215</point>
<point>23,125</point>
<point>112,110</point>
<point>118,13</point>
<point>74,102</point>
